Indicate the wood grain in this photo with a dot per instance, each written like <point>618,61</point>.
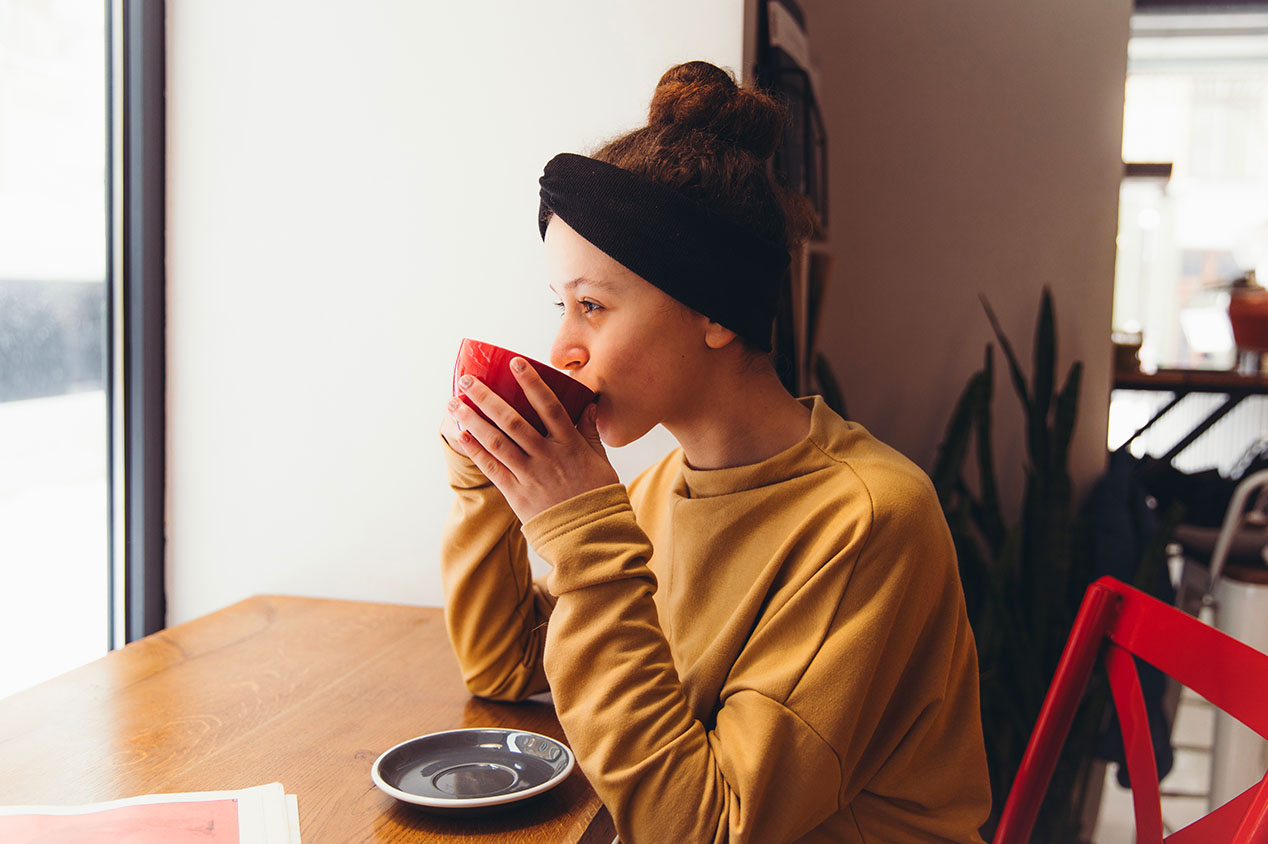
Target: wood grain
<point>304,691</point>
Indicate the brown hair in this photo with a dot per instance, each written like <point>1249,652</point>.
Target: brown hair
<point>712,140</point>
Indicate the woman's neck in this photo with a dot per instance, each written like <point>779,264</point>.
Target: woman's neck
<point>741,420</point>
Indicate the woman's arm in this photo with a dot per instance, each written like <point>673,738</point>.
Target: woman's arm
<point>849,682</point>
<point>663,774</point>
<point>494,612</point>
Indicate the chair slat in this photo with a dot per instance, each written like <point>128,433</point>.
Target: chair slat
<point>1138,748</point>
<point>1254,828</point>
<point>1220,825</point>
<point>1096,613</point>
<point>1230,674</point>
<point>1127,623</point>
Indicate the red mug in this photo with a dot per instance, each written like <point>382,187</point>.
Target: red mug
<point>492,366</point>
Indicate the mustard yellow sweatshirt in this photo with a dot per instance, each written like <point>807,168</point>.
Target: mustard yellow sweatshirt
<point>769,653</point>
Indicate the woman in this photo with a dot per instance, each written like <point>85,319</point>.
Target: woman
<point>764,639</point>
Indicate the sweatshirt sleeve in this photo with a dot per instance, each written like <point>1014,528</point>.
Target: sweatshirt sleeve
<point>760,774</point>
<point>495,613</point>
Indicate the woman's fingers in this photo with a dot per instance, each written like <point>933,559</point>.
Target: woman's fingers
<point>532,471</point>
<point>450,431</point>
<point>484,442</point>
<point>543,399</point>
<point>492,468</point>
<point>503,418</point>
<point>589,429</point>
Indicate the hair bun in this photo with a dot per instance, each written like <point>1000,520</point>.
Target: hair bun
<point>704,97</point>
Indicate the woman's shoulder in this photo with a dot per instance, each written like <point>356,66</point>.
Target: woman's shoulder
<point>890,520</point>
<point>884,487</point>
<point>856,457</point>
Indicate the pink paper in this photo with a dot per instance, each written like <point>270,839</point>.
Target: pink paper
<point>205,822</point>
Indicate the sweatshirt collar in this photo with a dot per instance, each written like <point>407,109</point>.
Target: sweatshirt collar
<point>802,458</point>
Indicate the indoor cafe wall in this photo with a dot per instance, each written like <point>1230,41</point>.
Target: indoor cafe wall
<point>975,148</point>
<point>352,188</point>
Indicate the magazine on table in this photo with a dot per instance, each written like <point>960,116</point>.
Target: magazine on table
<point>265,814</point>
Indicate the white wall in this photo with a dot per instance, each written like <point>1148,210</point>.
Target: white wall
<point>352,188</point>
<point>974,148</point>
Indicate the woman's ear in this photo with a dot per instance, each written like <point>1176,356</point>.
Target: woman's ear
<point>716,335</point>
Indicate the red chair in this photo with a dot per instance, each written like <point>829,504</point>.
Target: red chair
<point>1229,674</point>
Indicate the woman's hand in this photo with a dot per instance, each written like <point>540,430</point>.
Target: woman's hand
<point>452,433</point>
<point>534,472</point>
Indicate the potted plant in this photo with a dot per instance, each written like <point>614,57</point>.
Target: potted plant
<point>1023,580</point>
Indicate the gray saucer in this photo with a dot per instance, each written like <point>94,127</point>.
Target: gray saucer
<point>465,769</point>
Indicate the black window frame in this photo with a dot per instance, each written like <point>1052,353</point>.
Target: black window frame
<point>136,368</point>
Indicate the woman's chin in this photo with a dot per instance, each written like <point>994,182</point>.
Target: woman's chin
<point>614,435</point>
<point>610,435</point>
<point>612,438</point>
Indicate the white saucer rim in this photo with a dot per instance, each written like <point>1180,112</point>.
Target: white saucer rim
<point>471,802</point>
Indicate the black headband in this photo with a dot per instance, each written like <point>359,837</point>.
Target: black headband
<point>701,258</point>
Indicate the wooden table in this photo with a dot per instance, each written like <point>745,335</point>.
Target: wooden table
<point>301,691</point>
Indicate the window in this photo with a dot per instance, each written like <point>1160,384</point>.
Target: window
<point>1197,99</point>
<point>1193,220</point>
<point>81,330</point>
<point>54,407</point>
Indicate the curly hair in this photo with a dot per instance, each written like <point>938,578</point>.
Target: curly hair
<point>712,140</point>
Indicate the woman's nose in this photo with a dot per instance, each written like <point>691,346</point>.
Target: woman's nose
<point>567,353</point>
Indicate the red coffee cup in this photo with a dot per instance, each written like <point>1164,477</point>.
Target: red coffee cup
<point>492,366</point>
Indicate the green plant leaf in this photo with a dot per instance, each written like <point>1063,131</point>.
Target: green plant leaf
<point>975,572</point>
<point>1020,652</point>
<point>991,517</point>
<point>1023,582</point>
<point>955,442</point>
<point>1045,356</point>
<point>1038,437</point>
<point>1019,380</point>
<point>1036,423</point>
<point>1065,415</point>
<point>1005,572</point>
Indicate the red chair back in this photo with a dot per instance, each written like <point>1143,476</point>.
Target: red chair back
<point>1120,622</point>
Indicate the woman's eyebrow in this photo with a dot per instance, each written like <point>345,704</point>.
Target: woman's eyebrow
<point>602,284</point>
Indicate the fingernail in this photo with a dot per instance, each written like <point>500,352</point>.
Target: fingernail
<point>453,405</point>
<point>517,364</point>
<point>465,381</point>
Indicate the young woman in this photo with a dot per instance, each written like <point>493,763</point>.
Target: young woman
<point>764,638</point>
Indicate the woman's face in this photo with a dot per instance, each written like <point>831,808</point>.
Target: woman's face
<point>641,350</point>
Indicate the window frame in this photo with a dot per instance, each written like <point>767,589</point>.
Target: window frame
<point>136,316</point>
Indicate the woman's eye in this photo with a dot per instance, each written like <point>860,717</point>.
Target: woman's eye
<point>586,305</point>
